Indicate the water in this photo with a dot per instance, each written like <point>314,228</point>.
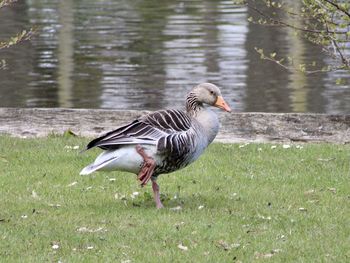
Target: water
<point>149,54</point>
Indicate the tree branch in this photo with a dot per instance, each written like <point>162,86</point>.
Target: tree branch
<point>322,22</point>
<point>338,7</point>
<point>4,3</point>
<point>307,72</point>
<point>20,37</point>
<point>281,23</point>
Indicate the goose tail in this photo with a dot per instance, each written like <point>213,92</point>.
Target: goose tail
<point>101,162</point>
<point>89,169</point>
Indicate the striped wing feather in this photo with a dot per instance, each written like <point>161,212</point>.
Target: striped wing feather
<point>167,129</point>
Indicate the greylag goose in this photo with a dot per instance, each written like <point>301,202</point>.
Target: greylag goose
<point>163,141</point>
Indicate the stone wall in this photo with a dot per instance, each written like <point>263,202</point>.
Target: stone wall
<point>236,127</point>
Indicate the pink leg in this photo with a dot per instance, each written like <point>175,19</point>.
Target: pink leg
<point>146,173</point>
<point>156,194</point>
<point>148,166</point>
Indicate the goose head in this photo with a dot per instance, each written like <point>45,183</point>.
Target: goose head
<point>206,93</point>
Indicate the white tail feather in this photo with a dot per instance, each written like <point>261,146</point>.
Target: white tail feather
<point>88,169</point>
<point>124,159</point>
<point>97,166</point>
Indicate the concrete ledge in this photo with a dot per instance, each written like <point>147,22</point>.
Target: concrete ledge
<point>236,127</point>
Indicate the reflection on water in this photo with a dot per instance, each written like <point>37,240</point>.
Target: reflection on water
<point>148,54</point>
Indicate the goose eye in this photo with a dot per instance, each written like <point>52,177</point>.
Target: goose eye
<point>212,92</point>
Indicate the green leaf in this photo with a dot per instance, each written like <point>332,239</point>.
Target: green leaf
<point>302,67</point>
<point>340,81</point>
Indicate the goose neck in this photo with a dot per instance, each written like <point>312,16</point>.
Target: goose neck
<point>193,106</point>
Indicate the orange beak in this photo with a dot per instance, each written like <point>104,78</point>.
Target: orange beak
<point>220,103</point>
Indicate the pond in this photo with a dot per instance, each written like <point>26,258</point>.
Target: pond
<point>134,54</point>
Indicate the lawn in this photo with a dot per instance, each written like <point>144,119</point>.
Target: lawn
<point>237,203</point>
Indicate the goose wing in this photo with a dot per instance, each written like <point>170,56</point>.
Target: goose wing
<point>160,126</point>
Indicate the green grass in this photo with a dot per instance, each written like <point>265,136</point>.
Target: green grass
<point>257,204</point>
